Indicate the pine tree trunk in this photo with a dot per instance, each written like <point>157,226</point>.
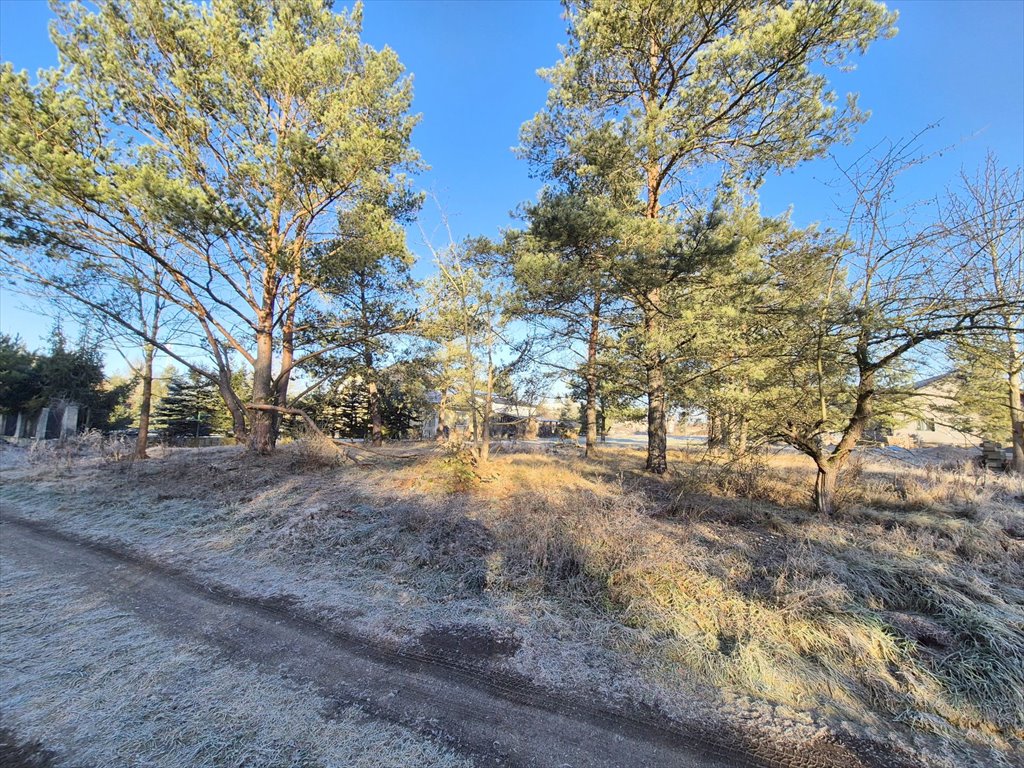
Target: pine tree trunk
<point>825,489</point>
<point>280,389</point>
<point>591,406</point>
<point>725,440</point>
<point>287,352</point>
<point>657,445</point>
<point>145,407</point>
<point>484,451</point>
<point>239,422</point>
<point>262,427</point>
<point>657,442</point>
<point>1016,423</point>
<point>590,450</point>
<point>742,425</point>
<point>376,422</point>
<point>741,436</point>
<point>261,431</point>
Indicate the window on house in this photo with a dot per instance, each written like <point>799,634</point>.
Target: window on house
<point>926,425</point>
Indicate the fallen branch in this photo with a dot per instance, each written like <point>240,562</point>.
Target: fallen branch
<point>291,412</point>
<point>364,449</point>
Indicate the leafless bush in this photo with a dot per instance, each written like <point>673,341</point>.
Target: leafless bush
<point>118,448</point>
<point>316,451</point>
<point>65,453</point>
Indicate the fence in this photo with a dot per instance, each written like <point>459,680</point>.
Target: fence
<point>54,422</point>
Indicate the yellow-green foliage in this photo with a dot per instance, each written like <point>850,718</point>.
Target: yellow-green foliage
<point>458,468</point>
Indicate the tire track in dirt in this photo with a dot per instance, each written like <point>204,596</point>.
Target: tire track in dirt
<point>500,719</point>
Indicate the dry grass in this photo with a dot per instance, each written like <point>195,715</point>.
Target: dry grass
<point>316,451</point>
<point>98,688</point>
<point>900,618</point>
<point>849,620</point>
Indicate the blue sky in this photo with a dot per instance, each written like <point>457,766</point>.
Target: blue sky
<point>958,64</point>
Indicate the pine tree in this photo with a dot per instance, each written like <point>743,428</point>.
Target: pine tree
<point>562,269</point>
<point>20,384</point>
<point>192,407</point>
<point>219,142</point>
<point>369,279</point>
<point>647,96</point>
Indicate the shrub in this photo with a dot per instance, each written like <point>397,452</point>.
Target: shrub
<point>317,451</point>
<point>459,467</point>
<point>65,453</point>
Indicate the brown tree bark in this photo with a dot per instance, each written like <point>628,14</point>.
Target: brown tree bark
<point>742,426</point>
<point>825,488</point>
<point>590,449</point>
<point>288,336</point>
<point>376,422</point>
<point>145,407</point>
<point>262,423</point>
<point>280,387</point>
<point>239,418</point>
<point>657,445</point>
<point>712,430</point>
<point>831,465</point>
<point>725,438</point>
<point>1016,423</point>
<point>742,434</point>
<point>657,441</point>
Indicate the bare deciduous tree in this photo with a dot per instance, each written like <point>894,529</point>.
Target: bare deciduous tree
<point>888,286</point>
<point>984,221</point>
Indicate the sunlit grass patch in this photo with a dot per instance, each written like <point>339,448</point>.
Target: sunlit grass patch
<point>879,613</point>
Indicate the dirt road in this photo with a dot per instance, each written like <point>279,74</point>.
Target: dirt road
<point>494,718</point>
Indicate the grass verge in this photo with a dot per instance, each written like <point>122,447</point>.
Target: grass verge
<point>902,618</point>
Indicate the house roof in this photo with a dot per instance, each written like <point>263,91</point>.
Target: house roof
<point>934,379</point>
<point>435,398</point>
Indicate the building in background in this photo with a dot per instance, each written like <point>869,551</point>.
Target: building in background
<point>937,418</point>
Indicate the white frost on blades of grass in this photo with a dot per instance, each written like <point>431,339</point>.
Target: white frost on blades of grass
<point>386,551</point>
<point>98,688</point>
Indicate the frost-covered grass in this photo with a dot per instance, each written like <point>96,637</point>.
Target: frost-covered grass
<point>97,687</point>
<point>899,619</point>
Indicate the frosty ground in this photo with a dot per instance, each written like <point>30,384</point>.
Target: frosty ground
<point>710,602</point>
